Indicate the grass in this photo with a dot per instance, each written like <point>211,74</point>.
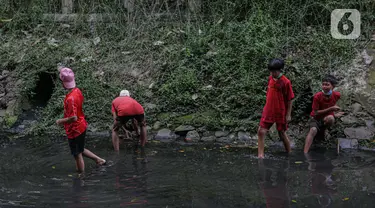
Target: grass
<point>213,61</point>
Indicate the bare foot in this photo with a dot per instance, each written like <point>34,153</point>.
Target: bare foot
<point>261,156</point>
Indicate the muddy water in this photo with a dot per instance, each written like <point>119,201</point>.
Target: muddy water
<point>44,176</point>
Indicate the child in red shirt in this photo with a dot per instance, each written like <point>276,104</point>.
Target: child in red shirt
<point>323,108</point>
<point>278,106</point>
<point>74,121</point>
<point>125,108</point>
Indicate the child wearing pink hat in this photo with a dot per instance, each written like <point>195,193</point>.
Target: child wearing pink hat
<point>74,121</point>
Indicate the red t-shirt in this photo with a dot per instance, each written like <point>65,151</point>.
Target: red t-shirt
<point>322,102</point>
<point>279,93</point>
<point>126,106</point>
<point>73,107</point>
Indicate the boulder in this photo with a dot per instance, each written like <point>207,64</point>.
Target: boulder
<point>356,107</point>
<point>164,135</point>
<point>243,136</point>
<point>349,119</point>
<point>183,129</point>
<point>358,133</point>
<point>225,140</point>
<point>193,136</point>
<point>348,143</point>
<point>208,139</point>
<point>221,133</point>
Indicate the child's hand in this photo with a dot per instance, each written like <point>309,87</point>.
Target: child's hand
<point>339,114</point>
<point>335,108</point>
<point>288,118</point>
<point>59,122</point>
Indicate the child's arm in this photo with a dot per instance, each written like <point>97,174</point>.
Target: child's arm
<point>62,121</point>
<point>327,110</point>
<point>289,97</point>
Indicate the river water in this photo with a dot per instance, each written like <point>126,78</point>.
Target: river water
<point>183,176</point>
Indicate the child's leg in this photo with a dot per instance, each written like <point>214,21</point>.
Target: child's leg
<point>329,121</point>
<point>80,164</point>
<point>115,138</point>
<point>262,131</point>
<point>89,154</point>
<point>281,128</point>
<point>284,137</point>
<point>143,131</point>
<point>309,139</point>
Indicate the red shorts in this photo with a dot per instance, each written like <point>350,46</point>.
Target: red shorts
<point>279,126</point>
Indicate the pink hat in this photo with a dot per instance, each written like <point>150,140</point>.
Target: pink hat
<point>67,77</point>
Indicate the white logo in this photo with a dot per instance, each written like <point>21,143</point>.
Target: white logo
<point>345,24</point>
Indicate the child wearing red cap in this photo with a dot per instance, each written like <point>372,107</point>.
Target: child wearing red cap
<point>74,121</point>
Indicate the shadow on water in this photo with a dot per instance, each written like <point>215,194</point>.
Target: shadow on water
<point>185,177</point>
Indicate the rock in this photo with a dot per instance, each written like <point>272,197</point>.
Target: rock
<point>221,133</point>
<point>356,107</point>
<point>158,43</point>
<point>96,40</point>
<point>183,129</point>
<point>151,85</point>
<point>208,87</point>
<point>207,133</point>
<point>164,135</point>
<point>366,58</point>
<point>1,120</point>
<point>358,133</point>
<point>193,136</point>
<point>370,125</point>
<point>349,119</point>
<point>21,126</point>
<point>232,136</point>
<point>243,136</point>
<point>208,139</point>
<point>2,95</point>
<point>348,143</point>
<point>157,125</point>
<point>225,140</point>
<point>5,73</point>
<point>65,25</point>
<point>194,96</point>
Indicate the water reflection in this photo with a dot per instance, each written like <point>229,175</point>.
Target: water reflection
<point>274,182</point>
<point>322,184</point>
<point>202,177</point>
<point>131,185</point>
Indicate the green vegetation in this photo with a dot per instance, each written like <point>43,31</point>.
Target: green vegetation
<point>208,68</point>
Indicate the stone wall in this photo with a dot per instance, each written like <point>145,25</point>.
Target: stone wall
<point>10,99</point>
